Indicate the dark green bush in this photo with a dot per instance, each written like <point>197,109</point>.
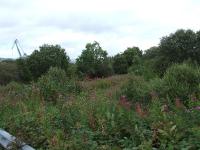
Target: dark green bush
<point>143,69</point>
<point>181,81</point>
<point>120,65</point>
<point>8,72</point>
<point>156,86</point>
<point>122,61</point>
<point>23,69</point>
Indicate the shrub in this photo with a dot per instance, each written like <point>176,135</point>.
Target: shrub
<point>181,81</point>
<point>142,69</point>
<point>8,72</point>
<point>29,130</point>
<point>15,91</point>
<point>137,89</point>
<point>55,84</point>
<point>156,86</point>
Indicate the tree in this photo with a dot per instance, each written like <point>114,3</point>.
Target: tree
<point>131,54</point>
<point>154,61</point>
<point>197,48</point>
<point>130,57</point>
<point>23,69</point>
<point>151,53</point>
<point>41,60</point>
<point>120,65</point>
<point>177,48</point>
<point>93,61</point>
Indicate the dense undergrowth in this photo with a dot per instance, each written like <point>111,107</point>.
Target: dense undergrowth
<point>120,112</point>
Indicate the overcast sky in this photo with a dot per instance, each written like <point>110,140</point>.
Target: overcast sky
<point>115,24</point>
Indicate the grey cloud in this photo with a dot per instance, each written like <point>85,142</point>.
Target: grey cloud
<point>87,22</point>
<point>77,23</point>
<point>33,22</point>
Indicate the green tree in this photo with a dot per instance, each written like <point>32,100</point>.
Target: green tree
<point>130,57</point>
<point>41,60</point>
<point>120,64</point>
<point>197,47</point>
<point>131,54</point>
<point>93,61</point>
<point>177,48</point>
<point>23,69</point>
<point>151,53</point>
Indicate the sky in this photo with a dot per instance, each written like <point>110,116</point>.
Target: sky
<point>115,24</point>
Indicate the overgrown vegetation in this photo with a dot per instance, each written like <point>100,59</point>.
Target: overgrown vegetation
<point>155,106</point>
<point>55,84</point>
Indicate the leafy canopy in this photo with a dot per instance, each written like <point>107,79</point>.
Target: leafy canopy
<point>130,57</point>
<point>41,60</point>
<point>93,61</point>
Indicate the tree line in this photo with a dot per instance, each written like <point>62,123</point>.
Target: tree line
<point>178,47</point>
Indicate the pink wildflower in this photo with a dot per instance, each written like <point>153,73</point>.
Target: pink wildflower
<point>197,108</point>
<point>139,110</point>
<point>124,102</point>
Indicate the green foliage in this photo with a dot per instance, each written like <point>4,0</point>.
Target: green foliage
<point>39,62</point>
<point>71,71</point>
<point>85,122</point>
<point>142,70</point>
<point>152,112</point>
<point>177,48</point>
<point>154,61</point>
<point>29,130</point>
<point>136,89</point>
<point>23,69</point>
<point>181,81</point>
<point>8,72</point>
<point>130,57</point>
<point>120,65</point>
<point>55,84</point>
<point>131,54</point>
<point>93,61</point>
<point>156,86</point>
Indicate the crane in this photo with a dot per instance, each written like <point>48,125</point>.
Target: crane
<point>16,43</point>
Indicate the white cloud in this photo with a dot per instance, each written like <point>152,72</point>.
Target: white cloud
<point>115,24</point>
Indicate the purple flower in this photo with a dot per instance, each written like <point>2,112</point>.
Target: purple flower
<point>197,108</point>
